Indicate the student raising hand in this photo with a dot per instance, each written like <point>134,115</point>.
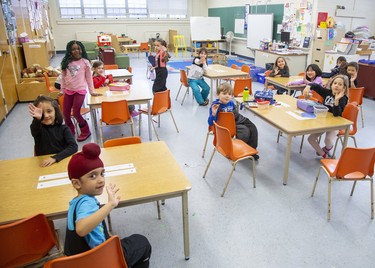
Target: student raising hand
<point>35,112</point>
<point>112,198</point>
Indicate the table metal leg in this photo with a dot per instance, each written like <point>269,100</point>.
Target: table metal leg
<point>346,137</point>
<point>185,222</point>
<point>287,159</point>
<point>94,123</point>
<point>149,120</point>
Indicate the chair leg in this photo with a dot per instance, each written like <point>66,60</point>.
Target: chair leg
<point>278,136</point>
<point>254,172</point>
<point>156,133</point>
<point>329,199</point>
<point>186,92</point>
<point>334,149</point>
<point>355,142</point>
<point>178,92</point>
<point>230,176</point>
<point>139,124</point>
<point>354,184</point>
<point>205,144</point>
<point>363,123</point>
<point>209,163</point>
<point>158,208</point>
<point>316,181</point>
<point>174,122</point>
<point>300,147</point>
<point>109,222</point>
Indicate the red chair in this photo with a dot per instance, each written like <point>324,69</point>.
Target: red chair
<point>184,82</point>
<point>356,95</point>
<point>240,84</point>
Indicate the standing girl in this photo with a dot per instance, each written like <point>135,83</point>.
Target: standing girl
<point>76,78</point>
<point>335,100</point>
<point>161,59</point>
<point>50,135</point>
<point>280,69</point>
<point>195,77</point>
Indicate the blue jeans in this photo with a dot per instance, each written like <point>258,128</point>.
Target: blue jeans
<point>200,96</point>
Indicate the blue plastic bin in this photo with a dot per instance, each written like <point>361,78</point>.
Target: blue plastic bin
<point>254,70</point>
<point>261,77</point>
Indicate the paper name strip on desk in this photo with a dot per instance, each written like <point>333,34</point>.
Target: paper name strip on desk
<point>111,171</point>
<point>300,116</point>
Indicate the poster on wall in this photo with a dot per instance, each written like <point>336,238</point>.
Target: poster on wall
<point>10,21</point>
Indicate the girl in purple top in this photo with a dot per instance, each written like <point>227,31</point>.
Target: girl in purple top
<point>313,75</point>
<point>76,79</point>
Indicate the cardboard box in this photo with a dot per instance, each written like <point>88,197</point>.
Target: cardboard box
<point>30,88</point>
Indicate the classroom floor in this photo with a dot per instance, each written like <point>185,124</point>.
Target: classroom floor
<point>269,226</point>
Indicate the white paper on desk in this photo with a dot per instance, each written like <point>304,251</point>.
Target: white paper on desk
<point>65,181</point>
<point>297,116</point>
<point>53,176</point>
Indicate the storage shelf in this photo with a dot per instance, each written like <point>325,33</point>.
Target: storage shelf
<point>211,50</point>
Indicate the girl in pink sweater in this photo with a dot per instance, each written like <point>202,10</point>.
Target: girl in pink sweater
<point>76,80</point>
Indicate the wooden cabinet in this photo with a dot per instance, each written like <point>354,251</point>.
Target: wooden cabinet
<point>211,46</point>
<point>171,33</point>
<point>36,52</point>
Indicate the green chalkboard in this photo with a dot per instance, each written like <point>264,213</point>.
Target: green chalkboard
<point>229,14</point>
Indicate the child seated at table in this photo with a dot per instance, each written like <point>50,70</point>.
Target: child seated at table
<point>335,99</point>
<point>313,75</point>
<point>280,69</point>
<point>86,226</point>
<point>352,70</point>
<point>245,129</point>
<point>50,135</point>
<point>335,70</point>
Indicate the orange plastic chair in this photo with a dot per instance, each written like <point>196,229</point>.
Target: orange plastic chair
<point>356,95</point>
<point>184,82</point>
<point>160,105</point>
<point>302,74</point>
<point>50,89</point>
<point>115,113</point>
<point>355,164</point>
<point>144,47</point>
<point>83,111</point>
<point>351,113</point>
<point>267,74</point>
<point>225,119</point>
<point>111,66</point>
<point>27,241</point>
<point>107,254</point>
<point>240,84</point>
<point>244,68</point>
<point>233,150</point>
<point>233,66</point>
<point>122,141</point>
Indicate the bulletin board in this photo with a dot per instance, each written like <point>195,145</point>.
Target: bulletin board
<point>260,26</point>
<point>205,28</point>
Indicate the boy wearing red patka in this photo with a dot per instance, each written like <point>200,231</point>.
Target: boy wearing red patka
<point>86,227</point>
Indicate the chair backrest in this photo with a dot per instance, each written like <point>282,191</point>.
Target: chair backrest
<point>110,66</point>
<point>240,84</point>
<point>48,83</point>
<point>183,78</point>
<point>227,120</point>
<point>302,74</point>
<point>356,163</point>
<point>161,102</point>
<point>144,47</point>
<point>234,66</point>
<point>26,240</point>
<point>317,96</point>
<point>130,69</point>
<point>356,95</point>
<point>351,113</point>
<point>267,74</point>
<point>246,68</point>
<point>115,112</point>
<point>122,141</point>
<point>303,97</point>
<point>223,141</point>
<point>107,254</point>
<point>61,102</point>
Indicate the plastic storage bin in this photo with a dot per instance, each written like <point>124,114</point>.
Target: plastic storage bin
<point>261,77</point>
<point>320,110</point>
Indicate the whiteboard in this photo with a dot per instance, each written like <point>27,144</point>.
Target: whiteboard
<point>259,27</point>
<point>205,28</point>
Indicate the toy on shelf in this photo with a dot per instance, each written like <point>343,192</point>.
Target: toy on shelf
<point>104,40</point>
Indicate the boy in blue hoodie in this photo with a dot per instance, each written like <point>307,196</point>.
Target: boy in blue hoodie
<point>246,130</point>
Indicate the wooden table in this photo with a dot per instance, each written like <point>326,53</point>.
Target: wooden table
<point>283,82</point>
<point>120,74</point>
<point>216,72</point>
<point>157,177</point>
<point>139,94</point>
<point>278,117</point>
